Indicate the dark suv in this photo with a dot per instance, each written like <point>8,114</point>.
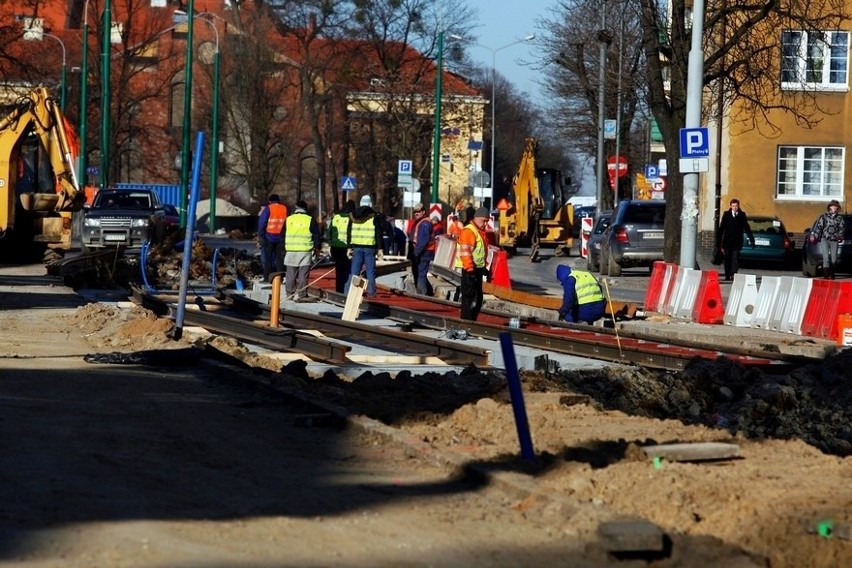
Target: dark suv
<point>634,236</point>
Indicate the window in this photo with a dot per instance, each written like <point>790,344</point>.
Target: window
<point>814,60</point>
<point>810,171</point>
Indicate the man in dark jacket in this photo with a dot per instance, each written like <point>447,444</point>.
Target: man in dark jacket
<point>365,242</point>
<point>729,238</point>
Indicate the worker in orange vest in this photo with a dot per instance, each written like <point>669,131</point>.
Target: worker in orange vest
<point>270,225</point>
<point>471,256</point>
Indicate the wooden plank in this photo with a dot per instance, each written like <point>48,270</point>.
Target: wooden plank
<point>620,309</point>
<point>699,451</point>
<point>353,298</point>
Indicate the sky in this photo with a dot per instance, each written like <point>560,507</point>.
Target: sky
<point>500,23</point>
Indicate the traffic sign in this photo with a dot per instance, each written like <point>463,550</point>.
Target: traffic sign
<point>694,143</point>
<point>348,183</point>
<point>651,171</point>
<point>610,127</point>
<point>405,167</point>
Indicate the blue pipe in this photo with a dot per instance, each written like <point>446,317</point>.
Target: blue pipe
<point>190,230</point>
<point>513,378</point>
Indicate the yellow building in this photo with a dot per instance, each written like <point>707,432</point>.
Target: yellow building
<point>787,169</point>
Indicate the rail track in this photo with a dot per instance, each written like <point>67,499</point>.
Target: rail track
<point>416,312</point>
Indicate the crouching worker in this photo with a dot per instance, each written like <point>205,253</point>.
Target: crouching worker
<point>582,297</point>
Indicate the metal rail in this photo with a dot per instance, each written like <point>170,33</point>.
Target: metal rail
<point>570,339</point>
<point>378,337</point>
<point>281,339</point>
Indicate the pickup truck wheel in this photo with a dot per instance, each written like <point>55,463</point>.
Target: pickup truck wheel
<point>612,267</point>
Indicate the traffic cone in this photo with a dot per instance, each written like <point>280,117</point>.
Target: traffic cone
<point>708,307</point>
<point>500,270</point>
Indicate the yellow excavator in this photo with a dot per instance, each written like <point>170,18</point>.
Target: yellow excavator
<point>537,212</point>
<point>39,189</point>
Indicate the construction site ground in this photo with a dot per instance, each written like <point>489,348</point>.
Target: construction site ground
<point>191,461</point>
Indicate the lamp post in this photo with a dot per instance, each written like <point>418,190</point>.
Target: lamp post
<point>62,90</point>
<point>494,94</point>
<point>187,115</point>
<point>436,134</point>
<point>604,39</point>
<point>214,144</point>
<point>106,93</point>
<point>84,83</point>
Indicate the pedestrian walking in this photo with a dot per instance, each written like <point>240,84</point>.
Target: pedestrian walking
<point>302,241</point>
<point>365,243</point>
<point>270,225</point>
<point>729,238</point>
<point>471,255</point>
<point>827,232</point>
<point>338,230</point>
<point>582,297</point>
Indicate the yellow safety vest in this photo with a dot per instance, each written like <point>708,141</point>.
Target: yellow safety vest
<point>298,236</point>
<point>478,255</point>
<point>337,234</point>
<point>364,232</point>
<point>587,287</point>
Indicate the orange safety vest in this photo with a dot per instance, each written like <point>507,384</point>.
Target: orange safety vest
<point>277,216</point>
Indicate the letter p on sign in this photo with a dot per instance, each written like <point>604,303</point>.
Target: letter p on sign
<point>694,143</point>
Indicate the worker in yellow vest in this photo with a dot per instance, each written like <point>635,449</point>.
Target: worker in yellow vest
<point>338,243</point>
<point>582,297</point>
<point>302,241</point>
<point>365,243</point>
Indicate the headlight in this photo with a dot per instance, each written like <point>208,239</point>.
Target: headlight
<point>139,222</point>
<point>91,222</point>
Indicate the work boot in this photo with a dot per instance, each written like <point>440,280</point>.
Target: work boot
<point>825,272</point>
<point>831,272</point>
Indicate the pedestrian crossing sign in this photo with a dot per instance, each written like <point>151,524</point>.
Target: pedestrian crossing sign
<point>348,183</point>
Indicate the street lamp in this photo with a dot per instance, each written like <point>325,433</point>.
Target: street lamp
<point>106,95</point>
<point>187,115</point>
<point>84,83</point>
<point>493,93</point>
<point>214,144</point>
<point>62,90</point>
<point>436,134</point>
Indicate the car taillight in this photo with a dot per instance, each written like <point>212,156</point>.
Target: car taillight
<point>787,244</point>
<point>621,236</point>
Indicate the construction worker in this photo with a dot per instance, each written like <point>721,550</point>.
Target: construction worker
<point>582,297</point>
<point>422,251</point>
<point>337,231</point>
<point>471,254</point>
<point>365,243</point>
<point>302,241</point>
<point>270,225</point>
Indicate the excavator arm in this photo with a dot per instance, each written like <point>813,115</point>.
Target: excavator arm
<point>37,113</point>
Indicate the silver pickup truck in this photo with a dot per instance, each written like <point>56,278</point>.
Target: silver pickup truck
<point>123,218</point>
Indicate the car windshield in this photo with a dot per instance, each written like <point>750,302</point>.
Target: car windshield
<point>601,225</point>
<point>653,215</point>
<point>766,226</point>
<point>123,200</point>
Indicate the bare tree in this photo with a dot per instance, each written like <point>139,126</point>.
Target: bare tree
<point>742,43</point>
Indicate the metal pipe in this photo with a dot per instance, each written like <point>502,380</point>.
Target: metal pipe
<point>602,45</point>
<point>106,92</point>
<point>187,115</point>
<point>436,134</point>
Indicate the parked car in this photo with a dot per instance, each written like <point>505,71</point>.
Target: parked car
<point>122,218</point>
<point>579,213</point>
<point>634,236</point>
<point>171,219</point>
<point>594,259</point>
<point>812,257</point>
<point>772,244</point>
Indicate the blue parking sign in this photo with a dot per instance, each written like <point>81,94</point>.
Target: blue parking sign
<point>694,143</point>
<point>651,171</point>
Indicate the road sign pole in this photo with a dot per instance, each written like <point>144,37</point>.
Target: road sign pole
<point>694,85</point>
